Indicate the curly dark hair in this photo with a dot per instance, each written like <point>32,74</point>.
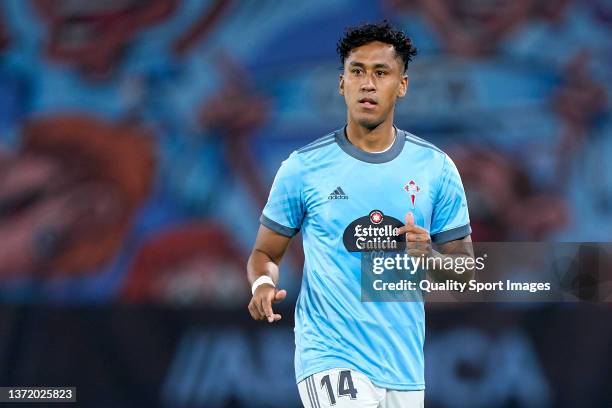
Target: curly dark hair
<point>362,34</point>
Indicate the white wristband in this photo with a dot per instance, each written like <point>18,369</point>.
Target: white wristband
<point>260,281</point>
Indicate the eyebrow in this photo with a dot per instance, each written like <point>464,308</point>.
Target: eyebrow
<point>362,65</point>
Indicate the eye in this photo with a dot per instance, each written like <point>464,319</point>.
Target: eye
<point>381,73</point>
<point>355,71</point>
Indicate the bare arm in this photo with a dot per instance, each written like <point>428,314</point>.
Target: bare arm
<point>458,248</point>
<point>267,253</point>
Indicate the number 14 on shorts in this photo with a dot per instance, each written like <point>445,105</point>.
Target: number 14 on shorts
<point>338,388</point>
<point>345,388</point>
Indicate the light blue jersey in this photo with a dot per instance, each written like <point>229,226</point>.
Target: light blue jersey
<point>340,197</point>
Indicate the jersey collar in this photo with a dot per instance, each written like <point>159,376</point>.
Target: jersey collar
<point>370,157</point>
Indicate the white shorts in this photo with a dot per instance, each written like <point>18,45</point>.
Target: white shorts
<point>345,388</point>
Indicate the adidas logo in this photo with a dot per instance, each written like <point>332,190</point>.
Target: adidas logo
<point>338,194</point>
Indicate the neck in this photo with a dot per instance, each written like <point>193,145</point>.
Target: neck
<point>371,140</point>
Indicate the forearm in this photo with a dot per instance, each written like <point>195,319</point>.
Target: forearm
<point>457,266</point>
<point>262,264</point>
<point>264,260</point>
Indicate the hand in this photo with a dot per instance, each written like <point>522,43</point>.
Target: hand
<point>418,241</point>
<point>260,305</point>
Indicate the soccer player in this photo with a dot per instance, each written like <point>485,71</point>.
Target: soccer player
<point>339,190</point>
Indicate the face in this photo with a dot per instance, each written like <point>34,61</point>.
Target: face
<point>372,80</point>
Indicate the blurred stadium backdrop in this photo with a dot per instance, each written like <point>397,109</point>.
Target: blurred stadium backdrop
<point>138,141</point>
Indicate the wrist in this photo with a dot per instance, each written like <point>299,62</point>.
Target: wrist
<point>264,279</point>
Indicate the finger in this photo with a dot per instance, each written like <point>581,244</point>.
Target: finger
<point>253,310</point>
<point>267,308</point>
<point>419,237</point>
<point>409,218</point>
<point>412,237</point>
<point>418,244</point>
<point>407,228</point>
<point>411,229</point>
<point>280,295</point>
<point>259,308</point>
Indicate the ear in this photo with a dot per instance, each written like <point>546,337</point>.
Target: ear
<point>403,86</point>
<point>341,85</point>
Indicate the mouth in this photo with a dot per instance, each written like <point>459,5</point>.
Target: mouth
<point>367,103</point>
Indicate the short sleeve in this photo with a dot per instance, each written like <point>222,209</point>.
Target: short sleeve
<point>450,219</point>
<point>284,210</point>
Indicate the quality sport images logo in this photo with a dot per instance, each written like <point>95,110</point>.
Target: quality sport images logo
<point>373,232</point>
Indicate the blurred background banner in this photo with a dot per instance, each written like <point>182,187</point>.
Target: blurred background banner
<point>138,141</point>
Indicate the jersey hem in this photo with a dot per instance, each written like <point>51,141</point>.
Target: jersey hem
<point>381,384</point>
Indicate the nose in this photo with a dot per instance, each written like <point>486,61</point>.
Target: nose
<point>368,84</point>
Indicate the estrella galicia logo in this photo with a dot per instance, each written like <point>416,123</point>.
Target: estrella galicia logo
<point>373,232</point>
